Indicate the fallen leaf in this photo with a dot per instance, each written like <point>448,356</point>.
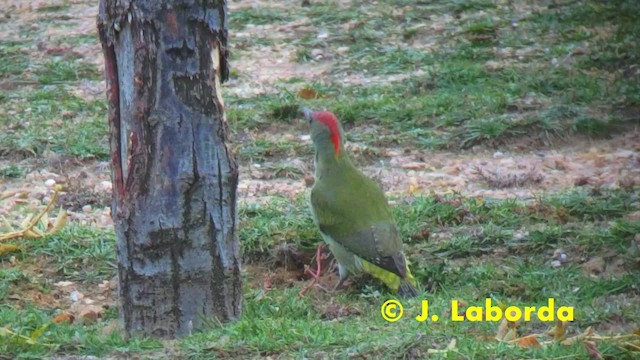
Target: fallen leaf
<point>8,248</point>
<point>37,333</point>
<point>64,317</point>
<point>452,344</point>
<point>111,327</point>
<point>308,94</point>
<point>413,186</point>
<point>580,337</point>
<point>414,165</point>
<point>5,331</point>
<point>503,328</point>
<point>594,266</point>
<point>591,349</point>
<point>89,313</point>
<point>528,342</point>
<point>59,223</point>
<point>450,347</point>
<point>558,331</point>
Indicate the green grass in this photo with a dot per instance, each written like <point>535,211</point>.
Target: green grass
<point>458,261</point>
<point>457,93</point>
<point>443,75</point>
<point>47,119</point>
<point>14,60</point>
<point>563,71</point>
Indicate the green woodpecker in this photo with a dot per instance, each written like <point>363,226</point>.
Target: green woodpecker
<point>352,212</point>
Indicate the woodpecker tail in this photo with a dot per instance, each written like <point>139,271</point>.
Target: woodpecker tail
<point>406,289</point>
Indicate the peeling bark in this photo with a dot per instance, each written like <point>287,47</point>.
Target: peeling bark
<point>174,203</point>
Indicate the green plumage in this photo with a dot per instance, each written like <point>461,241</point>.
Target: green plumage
<point>352,213</point>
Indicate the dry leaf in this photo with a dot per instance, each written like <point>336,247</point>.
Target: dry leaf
<point>558,331</point>
<point>60,222</point>
<point>580,337</point>
<point>591,349</point>
<point>413,186</point>
<point>90,313</point>
<point>308,94</point>
<point>450,347</point>
<point>30,223</point>
<point>5,331</point>
<point>36,333</point>
<point>26,221</point>
<point>528,342</point>
<point>503,328</point>
<point>8,248</point>
<point>111,327</point>
<point>414,165</point>
<point>452,344</point>
<point>44,220</point>
<point>64,317</point>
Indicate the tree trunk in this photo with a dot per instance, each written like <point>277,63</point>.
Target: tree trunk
<point>174,180</point>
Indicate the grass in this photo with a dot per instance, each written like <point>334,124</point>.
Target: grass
<point>458,261</point>
<point>578,57</point>
<point>437,75</point>
<point>47,119</point>
<point>470,102</point>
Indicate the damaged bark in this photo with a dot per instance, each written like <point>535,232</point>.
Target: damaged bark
<point>174,179</point>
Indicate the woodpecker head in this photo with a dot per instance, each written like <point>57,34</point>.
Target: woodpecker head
<point>326,131</point>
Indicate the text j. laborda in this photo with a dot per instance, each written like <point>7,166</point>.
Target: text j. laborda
<point>393,310</point>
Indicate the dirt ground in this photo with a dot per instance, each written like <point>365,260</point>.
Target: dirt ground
<point>517,171</point>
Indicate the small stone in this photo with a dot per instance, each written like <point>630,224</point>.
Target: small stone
<point>315,53</point>
<point>50,182</point>
<point>493,65</point>
<point>342,50</point>
<point>90,313</point>
<point>594,266</point>
<point>624,154</point>
<point>309,180</point>
<point>110,328</point>
<point>87,208</point>
<point>556,264</point>
<point>105,186</point>
<point>564,258</point>
<point>414,165</point>
<point>498,154</point>
<point>519,235</point>
<point>76,296</point>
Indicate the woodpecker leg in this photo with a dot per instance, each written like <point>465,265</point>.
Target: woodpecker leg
<point>319,257</point>
<point>343,276</point>
<point>314,274</point>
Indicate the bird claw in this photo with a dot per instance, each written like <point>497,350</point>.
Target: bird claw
<point>315,274</point>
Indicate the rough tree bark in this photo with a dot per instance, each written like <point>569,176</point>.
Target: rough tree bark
<point>174,180</point>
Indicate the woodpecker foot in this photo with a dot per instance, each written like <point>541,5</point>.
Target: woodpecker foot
<point>340,284</point>
<point>315,274</point>
<point>319,257</point>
